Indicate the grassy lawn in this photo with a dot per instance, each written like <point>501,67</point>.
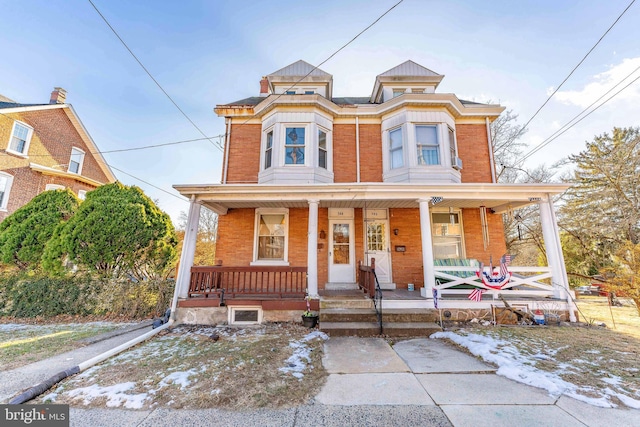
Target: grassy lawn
<point>21,344</point>
<point>623,319</point>
<point>275,365</point>
<point>593,363</point>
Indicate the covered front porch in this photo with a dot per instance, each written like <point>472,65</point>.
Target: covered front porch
<point>409,207</point>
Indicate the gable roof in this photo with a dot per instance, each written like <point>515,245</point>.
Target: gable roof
<point>299,69</point>
<point>409,68</point>
<point>14,107</point>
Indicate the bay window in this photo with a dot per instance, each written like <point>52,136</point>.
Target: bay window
<point>322,149</point>
<point>268,151</point>
<point>294,146</point>
<point>427,145</point>
<point>395,148</point>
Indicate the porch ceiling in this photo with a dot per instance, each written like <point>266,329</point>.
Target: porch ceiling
<point>498,197</point>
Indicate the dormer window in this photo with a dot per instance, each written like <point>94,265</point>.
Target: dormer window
<point>427,145</point>
<point>398,92</point>
<point>294,146</point>
<point>290,92</point>
<point>309,92</point>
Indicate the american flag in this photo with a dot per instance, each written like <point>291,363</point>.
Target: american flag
<point>504,263</point>
<point>476,294</point>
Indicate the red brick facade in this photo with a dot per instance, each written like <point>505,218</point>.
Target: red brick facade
<point>473,149</point>
<point>244,154</point>
<point>53,137</point>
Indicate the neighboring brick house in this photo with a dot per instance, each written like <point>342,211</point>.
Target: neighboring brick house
<point>43,147</point>
<point>404,176</point>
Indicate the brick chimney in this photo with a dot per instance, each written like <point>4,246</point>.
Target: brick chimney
<point>264,87</point>
<point>58,96</point>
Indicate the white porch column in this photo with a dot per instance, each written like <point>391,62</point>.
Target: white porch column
<point>564,280</point>
<point>427,247</point>
<point>312,249</point>
<point>548,232</point>
<point>555,259</point>
<point>188,250</point>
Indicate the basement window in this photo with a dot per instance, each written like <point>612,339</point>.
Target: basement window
<point>245,315</point>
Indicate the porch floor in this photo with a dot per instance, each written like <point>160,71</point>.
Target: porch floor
<point>387,294</point>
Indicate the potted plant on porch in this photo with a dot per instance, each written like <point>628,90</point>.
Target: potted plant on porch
<point>309,318</point>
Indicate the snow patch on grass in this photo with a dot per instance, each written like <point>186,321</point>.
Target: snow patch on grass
<point>116,395</point>
<point>297,363</point>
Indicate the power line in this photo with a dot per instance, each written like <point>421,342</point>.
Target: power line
<point>152,78</point>
<point>330,56</point>
<point>574,69</point>
<point>560,131</point>
<point>148,183</point>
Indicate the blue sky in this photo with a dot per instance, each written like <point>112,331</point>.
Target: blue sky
<point>210,52</point>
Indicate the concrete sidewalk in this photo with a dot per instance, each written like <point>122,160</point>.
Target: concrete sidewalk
<point>418,382</point>
<point>13,382</point>
<point>428,372</point>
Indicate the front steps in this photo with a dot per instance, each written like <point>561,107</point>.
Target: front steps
<point>354,315</point>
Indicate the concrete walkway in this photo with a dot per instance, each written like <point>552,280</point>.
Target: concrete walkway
<point>15,381</point>
<point>419,382</point>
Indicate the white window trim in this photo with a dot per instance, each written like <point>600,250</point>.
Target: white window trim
<point>49,187</point>
<point>403,132</point>
<point>7,192</point>
<point>81,161</point>
<point>27,142</point>
<point>256,228</point>
<point>263,151</point>
<point>234,308</point>
<point>463,245</point>
<point>328,147</point>
<point>439,144</point>
<point>283,144</point>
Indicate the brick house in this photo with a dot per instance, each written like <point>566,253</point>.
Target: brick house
<point>44,147</point>
<point>402,181</point>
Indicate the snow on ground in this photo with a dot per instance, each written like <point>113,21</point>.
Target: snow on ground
<point>301,356</point>
<point>521,368</point>
<point>116,395</point>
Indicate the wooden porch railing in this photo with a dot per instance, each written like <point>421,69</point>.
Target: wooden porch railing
<point>250,281</point>
<point>525,281</point>
<point>367,278</point>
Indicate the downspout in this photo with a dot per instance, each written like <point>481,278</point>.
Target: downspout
<point>357,150</point>
<point>491,159</point>
<point>38,389</point>
<point>226,149</point>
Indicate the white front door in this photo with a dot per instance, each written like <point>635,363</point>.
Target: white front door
<point>342,264</point>
<point>378,247</point>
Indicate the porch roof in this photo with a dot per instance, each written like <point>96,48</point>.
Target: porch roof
<point>497,197</point>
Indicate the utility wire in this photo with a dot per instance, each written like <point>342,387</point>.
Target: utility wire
<point>148,183</point>
<point>152,78</point>
<point>560,131</point>
<point>330,56</point>
<point>574,69</point>
<point>144,147</point>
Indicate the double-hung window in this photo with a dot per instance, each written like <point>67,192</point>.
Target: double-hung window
<point>322,149</point>
<point>268,150</point>
<point>5,188</point>
<point>271,235</point>
<point>76,160</point>
<point>447,235</point>
<point>427,144</point>
<point>294,146</point>
<point>20,138</point>
<point>395,148</point>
